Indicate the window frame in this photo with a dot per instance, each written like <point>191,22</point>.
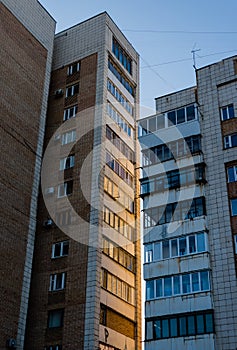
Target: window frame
<point>55,280</point>
<point>62,253</point>
<point>226,109</point>
<point>51,314</point>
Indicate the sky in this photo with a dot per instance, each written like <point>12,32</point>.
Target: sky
<point>164,32</point>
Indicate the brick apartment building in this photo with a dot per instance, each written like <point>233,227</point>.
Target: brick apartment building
<point>189,191</point>
<point>70,263</point>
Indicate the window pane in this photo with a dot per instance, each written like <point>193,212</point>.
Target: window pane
<point>165,328</point>
<point>233,203</point>
<point>55,318</point>
<point>231,174</point>
<point>200,324</point>
<point>165,249</point>
<point>234,140</point>
<point>186,283</point>
<point>209,323</point>
<point>182,246</point>
<point>174,247</point>
<point>192,244</point>
<point>159,291</point>
<point>191,325</point>
<point>204,275</point>
<point>157,329</point>
<point>231,111</point>
<point>190,112</point>
<point>173,327</point>
<point>224,113</point>
<point>149,330</point>
<point>160,122</point>
<point>152,124</point>
<point>195,282</point>
<point>180,115</point>
<point>176,281</point>
<point>157,251</point>
<point>182,326</point>
<point>167,286</point>
<point>149,290</point>
<point>201,242</point>
<point>171,118</point>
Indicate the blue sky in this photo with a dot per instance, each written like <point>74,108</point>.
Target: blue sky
<point>164,33</point>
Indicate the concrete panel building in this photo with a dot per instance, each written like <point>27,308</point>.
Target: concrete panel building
<point>85,289</point>
<point>27,35</point>
<point>189,188</point>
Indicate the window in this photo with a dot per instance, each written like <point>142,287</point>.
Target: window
<point>114,221</point>
<point>180,148</point>
<point>121,77</point>
<point>119,120</point>
<point>119,144</point>
<point>119,169</point>
<point>188,283</point>
<point>174,211</point>
<point>55,318</point>
<point>230,141</point>
<point>232,173</point>
<point>120,97</point>
<point>117,287</point>
<point>186,245</point>
<point>73,68</point>
<point>118,254</point>
<point>57,281</point>
<point>67,163</point>
<point>65,189</point>
<point>60,249</point>
<point>181,325</point>
<point>68,137</point>
<point>122,56</point>
<point>227,112</point>
<point>72,90</point>
<point>235,242</point>
<point>53,347</point>
<point>70,112</point>
<point>233,205</point>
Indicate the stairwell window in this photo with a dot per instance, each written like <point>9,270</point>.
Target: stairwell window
<point>230,141</point>
<point>232,173</point>
<point>55,318</point>
<point>65,189</point>
<point>227,112</point>
<point>73,68</point>
<point>68,137</point>
<point>67,162</point>
<point>70,112</point>
<point>72,90</point>
<point>60,249</point>
<point>233,205</point>
<point>57,281</point>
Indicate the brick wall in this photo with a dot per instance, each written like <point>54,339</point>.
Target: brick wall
<point>23,63</point>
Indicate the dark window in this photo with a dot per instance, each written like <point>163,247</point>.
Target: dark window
<point>122,56</point>
<point>227,112</point>
<point>55,318</point>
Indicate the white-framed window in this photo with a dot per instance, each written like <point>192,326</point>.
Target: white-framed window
<point>227,112</point>
<point>232,173</point>
<point>67,162</point>
<point>69,136</point>
<point>57,281</point>
<point>70,112</point>
<point>60,249</point>
<point>233,205</point>
<point>230,141</point>
<point>55,318</point>
<point>188,283</point>
<point>175,247</point>
<point>72,90</point>
<point>73,68</point>
<point>65,189</point>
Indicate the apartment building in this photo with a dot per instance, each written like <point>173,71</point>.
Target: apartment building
<point>189,193</point>
<point>85,287</point>
<point>27,35</point>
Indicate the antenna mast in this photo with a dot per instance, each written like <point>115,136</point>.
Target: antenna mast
<point>194,57</point>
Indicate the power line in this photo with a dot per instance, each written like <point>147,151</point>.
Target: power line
<point>187,59</point>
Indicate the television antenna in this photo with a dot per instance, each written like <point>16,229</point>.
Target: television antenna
<point>194,55</point>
